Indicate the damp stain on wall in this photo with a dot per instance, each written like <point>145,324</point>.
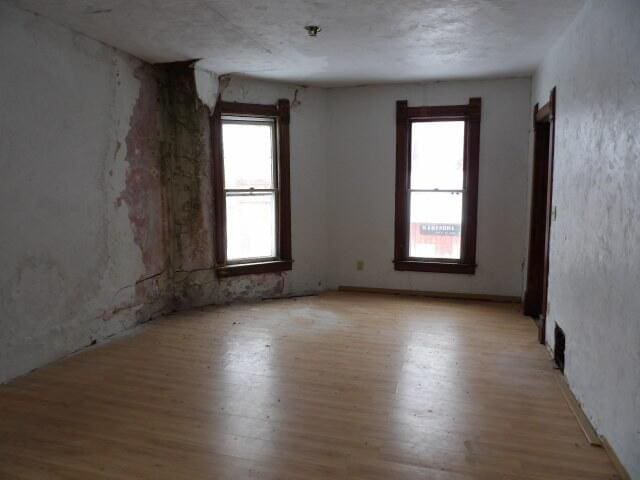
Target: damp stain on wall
<point>186,124</point>
<point>145,195</point>
<point>186,177</point>
<point>108,208</point>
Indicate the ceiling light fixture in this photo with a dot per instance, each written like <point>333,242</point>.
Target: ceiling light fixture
<point>312,30</point>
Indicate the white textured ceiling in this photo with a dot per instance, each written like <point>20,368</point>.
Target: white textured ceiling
<point>362,41</point>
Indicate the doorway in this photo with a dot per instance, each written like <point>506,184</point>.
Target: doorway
<point>535,297</point>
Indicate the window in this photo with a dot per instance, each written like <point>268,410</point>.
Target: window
<point>437,150</point>
<point>251,188</point>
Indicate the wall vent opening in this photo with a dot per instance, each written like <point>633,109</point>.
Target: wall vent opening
<point>558,349</point>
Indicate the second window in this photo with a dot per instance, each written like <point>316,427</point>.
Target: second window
<point>437,187</point>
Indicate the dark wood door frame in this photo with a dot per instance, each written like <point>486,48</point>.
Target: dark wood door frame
<point>535,298</point>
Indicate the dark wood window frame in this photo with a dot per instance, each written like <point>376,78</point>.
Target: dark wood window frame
<point>280,114</point>
<point>405,116</point>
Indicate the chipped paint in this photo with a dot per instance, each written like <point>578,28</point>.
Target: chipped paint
<point>189,171</point>
<point>143,193</point>
<point>78,266</point>
<point>116,184</point>
<point>194,280</point>
<point>202,287</point>
<point>187,126</point>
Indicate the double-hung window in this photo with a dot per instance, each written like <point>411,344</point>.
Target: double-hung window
<point>251,188</point>
<point>437,154</point>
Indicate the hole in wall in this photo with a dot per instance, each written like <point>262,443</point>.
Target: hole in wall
<point>559,346</point>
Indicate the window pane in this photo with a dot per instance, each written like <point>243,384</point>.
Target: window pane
<point>437,150</point>
<point>435,225</point>
<point>251,226</point>
<point>248,154</point>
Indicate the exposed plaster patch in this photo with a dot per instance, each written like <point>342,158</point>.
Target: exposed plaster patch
<point>223,83</point>
<point>194,280</point>
<point>68,164</point>
<point>189,170</point>
<point>143,193</point>
<point>119,178</point>
<point>238,88</point>
<point>206,86</point>
<point>203,287</point>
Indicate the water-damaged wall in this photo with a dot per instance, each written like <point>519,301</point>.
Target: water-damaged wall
<point>105,201</point>
<point>82,203</point>
<point>195,280</point>
<point>595,259</point>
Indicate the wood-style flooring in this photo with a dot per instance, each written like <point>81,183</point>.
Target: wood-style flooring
<point>339,386</point>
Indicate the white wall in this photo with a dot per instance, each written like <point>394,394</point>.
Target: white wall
<point>69,257</point>
<point>595,257</point>
<point>361,191</point>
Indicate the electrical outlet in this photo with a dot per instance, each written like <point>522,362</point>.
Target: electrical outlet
<point>360,265</point>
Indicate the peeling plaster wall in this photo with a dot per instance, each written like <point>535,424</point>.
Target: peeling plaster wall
<point>190,91</point>
<point>83,243</point>
<point>105,201</point>
<point>187,158</point>
<point>361,191</point>
<point>594,259</point>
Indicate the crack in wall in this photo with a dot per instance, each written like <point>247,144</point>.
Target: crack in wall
<point>182,147</point>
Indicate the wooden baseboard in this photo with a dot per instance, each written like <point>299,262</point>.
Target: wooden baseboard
<point>622,472</point>
<point>585,425</point>
<point>421,293</point>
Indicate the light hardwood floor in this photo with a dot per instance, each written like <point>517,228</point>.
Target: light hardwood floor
<point>340,386</point>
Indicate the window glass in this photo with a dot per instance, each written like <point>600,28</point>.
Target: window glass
<point>437,153</point>
<point>435,225</point>
<point>437,157</point>
<point>251,226</point>
<point>437,178</point>
<point>247,148</point>
<point>248,154</point>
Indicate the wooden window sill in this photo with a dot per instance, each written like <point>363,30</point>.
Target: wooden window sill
<point>434,267</point>
<point>270,266</point>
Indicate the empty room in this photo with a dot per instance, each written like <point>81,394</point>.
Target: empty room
<point>297,239</point>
